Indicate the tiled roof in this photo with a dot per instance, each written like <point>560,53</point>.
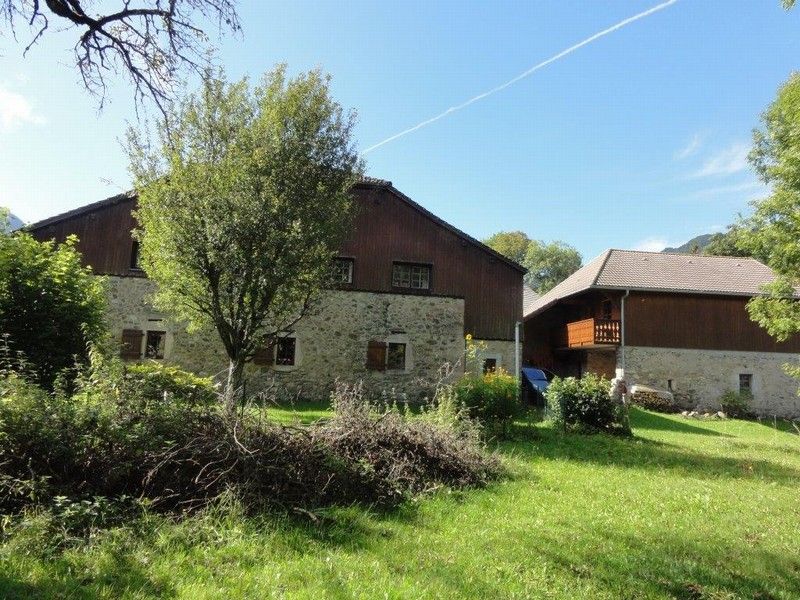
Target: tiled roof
<point>529,297</point>
<point>662,272</point>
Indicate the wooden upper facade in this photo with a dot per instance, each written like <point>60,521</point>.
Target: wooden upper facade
<point>389,229</point>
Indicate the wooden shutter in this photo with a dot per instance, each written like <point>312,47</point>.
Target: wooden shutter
<point>131,344</point>
<point>264,354</point>
<point>376,356</point>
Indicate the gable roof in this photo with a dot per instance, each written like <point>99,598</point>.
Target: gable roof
<point>662,272</point>
<point>529,298</point>
<point>366,181</point>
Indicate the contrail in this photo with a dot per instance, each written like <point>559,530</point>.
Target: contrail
<point>525,74</point>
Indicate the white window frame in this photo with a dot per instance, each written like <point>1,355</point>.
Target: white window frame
<point>350,264</point>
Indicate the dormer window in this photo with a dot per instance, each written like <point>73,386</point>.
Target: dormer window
<point>343,270</point>
<point>411,276</point>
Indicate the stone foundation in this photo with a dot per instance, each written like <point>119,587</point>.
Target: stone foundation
<point>700,377</point>
<point>331,342</point>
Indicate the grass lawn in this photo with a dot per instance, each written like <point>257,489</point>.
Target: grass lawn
<point>686,509</point>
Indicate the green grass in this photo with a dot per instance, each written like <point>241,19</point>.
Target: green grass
<point>685,509</point>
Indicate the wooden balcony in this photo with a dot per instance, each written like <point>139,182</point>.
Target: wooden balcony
<point>590,333</point>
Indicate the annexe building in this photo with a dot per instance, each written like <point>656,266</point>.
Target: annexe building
<point>410,287</point>
<point>669,321</point>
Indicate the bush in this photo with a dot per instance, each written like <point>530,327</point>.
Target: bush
<point>586,405</point>
<point>490,398</point>
<point>50,306</point>
<point>155,381</point>
<point>79,455</point>
<point>736,404</point>
<point>655,402</point>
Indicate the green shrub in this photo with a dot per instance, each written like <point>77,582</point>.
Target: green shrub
<point>736,404</point>
<point>490,398</point>
<point>655,402</point>
<point>586,405</point>
<point>51,307</point>
<point>154,380</point>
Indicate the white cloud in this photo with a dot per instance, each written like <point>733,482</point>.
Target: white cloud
<point>691,148</point>
<point>15,109</point>
<point>726,162</point>
<point>653,244</point>
<point>725,190</point>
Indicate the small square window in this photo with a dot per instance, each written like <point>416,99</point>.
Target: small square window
<point>155,344</point>
<point>745,383</point>
<point>396,356</point>
<point>489,365</point>
<point>343,270</point>
<point>415,277</point>
<point>285,351</point>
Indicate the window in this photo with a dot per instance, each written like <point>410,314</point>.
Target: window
<point>343,270</point>
<point>606,310</point>
<point>745,383</point>
<point>135,256</point>
<point>489,365</point>
<point>154,347</point>
<point>285,351</point>
<point>415,277</point>
<point>396,356</point>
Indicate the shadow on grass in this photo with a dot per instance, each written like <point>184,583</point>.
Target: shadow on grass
<point>120,576</point>
<point>646,565</point>
<point>648,420</point>
<point>640,453</point>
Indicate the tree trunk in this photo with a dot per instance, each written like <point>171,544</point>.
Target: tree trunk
<point>234,386</point>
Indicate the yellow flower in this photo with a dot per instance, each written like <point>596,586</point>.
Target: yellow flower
<point>469,337</point>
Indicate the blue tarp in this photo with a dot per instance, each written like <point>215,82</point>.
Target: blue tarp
<point>535,378</point>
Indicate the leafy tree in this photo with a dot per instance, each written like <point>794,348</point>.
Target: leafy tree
<point>243,204</point>
<point>729,243</point>
<point>511,244</point>
<point>550,264</point>
<point>150,42</point>
<point>773,231</point>
<point>50,306</point>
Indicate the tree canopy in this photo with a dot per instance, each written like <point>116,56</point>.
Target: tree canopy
<point>773,231</point>
<point>243,203</point>
<point>51,307</point>
<point>511,244</point>
<point>549,264</point>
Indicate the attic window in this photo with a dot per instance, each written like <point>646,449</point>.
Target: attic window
<point>411,276</point>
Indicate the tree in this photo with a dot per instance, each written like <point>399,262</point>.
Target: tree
<point>50,306</point>
<point>549,264</point>
<point>511,244</point>
<point>243,203</point>
<point>150,43</point>
<point>773,231</point>
<point>729,243</point>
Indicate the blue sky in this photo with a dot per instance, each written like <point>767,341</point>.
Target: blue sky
<point>634,141</point>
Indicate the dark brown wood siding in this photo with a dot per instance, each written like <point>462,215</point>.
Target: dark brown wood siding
<point>104,236</point>
<point>386,229</point>
<point>694,321</point>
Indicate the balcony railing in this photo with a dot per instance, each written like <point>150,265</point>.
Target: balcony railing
<point>590,332</point>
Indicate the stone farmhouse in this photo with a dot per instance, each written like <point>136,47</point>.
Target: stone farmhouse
<point>667,321</point>
<point>410,287</point>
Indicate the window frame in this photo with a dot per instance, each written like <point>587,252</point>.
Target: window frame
<point>279,341</point>
<point>134,258</point>
<point>748,377</point>
<point>389,365</point>
<point>351,261</point>
<point>411,265</point>
<point>163,343</point>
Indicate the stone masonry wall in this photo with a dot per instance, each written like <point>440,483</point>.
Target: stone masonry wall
<point>501,350</point>
<point>331,342</point>
<point>700,377</point>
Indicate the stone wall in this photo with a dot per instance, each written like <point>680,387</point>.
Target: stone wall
<point>500,350</point>
<point>331,342</point>
<point>700,377</point>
